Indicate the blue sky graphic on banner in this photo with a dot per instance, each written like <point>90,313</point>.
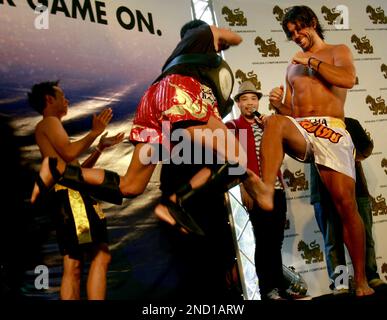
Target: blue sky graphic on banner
<point>104,52</point>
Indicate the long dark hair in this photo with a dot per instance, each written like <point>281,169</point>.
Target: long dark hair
<point>304,16</point>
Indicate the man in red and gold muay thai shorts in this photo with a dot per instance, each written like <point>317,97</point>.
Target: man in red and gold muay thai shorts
<point>174,99</point>
<point>183,98</point>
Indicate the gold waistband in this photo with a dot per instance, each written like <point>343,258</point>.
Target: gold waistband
<point>328,121</point>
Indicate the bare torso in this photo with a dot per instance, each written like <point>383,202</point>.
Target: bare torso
<point>45,146</point>
<point>312,95</point>
<point>43,131</point>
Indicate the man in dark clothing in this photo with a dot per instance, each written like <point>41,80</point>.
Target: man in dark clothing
<point>204,263</point>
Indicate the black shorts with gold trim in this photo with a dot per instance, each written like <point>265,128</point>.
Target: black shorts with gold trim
<point>79,221</point>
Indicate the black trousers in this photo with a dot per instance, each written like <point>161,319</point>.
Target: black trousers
<point>268,228</point>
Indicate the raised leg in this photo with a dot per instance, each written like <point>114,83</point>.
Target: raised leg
<point>216,138</point>
<point>280,136</point>
<point>102,184</point>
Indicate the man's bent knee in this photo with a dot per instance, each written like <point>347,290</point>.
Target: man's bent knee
<point>132,189</point>
<point>276,121</point>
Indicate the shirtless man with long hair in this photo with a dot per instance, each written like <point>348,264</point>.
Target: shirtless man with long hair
<point>310,126</point>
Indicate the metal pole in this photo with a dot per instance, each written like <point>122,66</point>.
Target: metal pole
<point>211,7</point>
<point>193,9</point>
<point>236,247</point>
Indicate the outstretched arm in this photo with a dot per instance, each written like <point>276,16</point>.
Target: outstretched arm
<point>104,142</point>
<point>59,140</point>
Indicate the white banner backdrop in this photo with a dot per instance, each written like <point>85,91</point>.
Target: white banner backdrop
<point>98,49</point>
<point>263,57</point>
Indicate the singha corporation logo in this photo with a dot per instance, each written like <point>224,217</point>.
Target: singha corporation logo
<point>376,15</point>
<point>383,68</point>
<point>251,76</point>
<point>384,269</point>
<point>279,13</point>
<point>362,45</point>
<point>377,106</point>
<point>378,205</point>
<point>331,15</point>
<point>296,181</point>
<point>234,17</point>
<point>311,253</point>
<point>384,164</point>
<point>267,47</point>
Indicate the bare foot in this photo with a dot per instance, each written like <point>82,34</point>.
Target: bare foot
<point>162,213</point>
<point>364,290</point>
<point>259,191</point>
<point>45,175</point>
